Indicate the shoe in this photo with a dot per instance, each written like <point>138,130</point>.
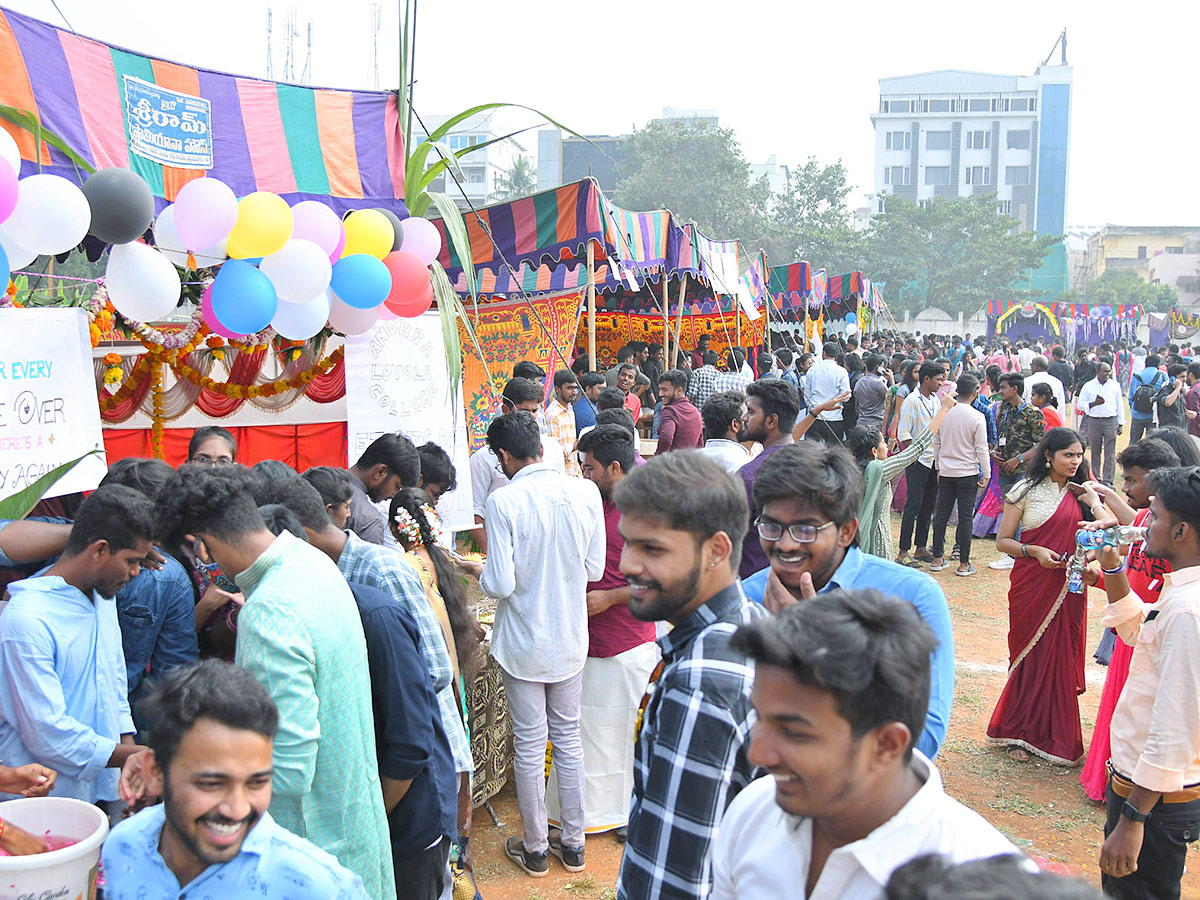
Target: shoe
<point>965,573</point>
<point>622,834</point>
<point>570,857</point>
<point>535,865</point>
<point>1004,562</point>
<point>939,567</point>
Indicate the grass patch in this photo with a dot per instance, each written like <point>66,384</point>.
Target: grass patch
<point>581,884</point>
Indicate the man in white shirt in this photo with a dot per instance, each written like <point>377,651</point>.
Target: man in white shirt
<point>1025,355</point>
<point>960,450</point>
<point>824,381</point>
<point>722,415</point>
<point>848,798</point>
<point>1103,401</point>
<point>546,541</point>
<point>1153,794</point>
<point>1041,375</point>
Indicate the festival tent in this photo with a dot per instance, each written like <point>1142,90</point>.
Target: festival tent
<point>1069,323</point>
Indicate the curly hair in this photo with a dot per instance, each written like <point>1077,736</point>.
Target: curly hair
<point>214,500</point>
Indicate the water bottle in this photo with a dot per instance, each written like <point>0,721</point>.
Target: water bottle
<point>1075,569</point>
<point>1109,537</point>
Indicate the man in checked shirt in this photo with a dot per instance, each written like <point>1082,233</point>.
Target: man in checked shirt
<point>683,518</point>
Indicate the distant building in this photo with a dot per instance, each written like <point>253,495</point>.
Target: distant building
<point>1136,246</point>
<point>480,168</point>
<point>779,178</point>
<point>952,133</point>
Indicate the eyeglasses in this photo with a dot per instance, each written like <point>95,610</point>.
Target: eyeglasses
<point>205,460</point>
<point>800,532</point>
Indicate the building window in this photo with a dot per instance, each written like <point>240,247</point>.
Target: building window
<point>924,204</point>
<point>1172,250</point>
<point>881,206</point>
<point>977,174</point>
<point>979,140</point>
<point>935,106</point>
<point>1019,104</point>
<point>1018,140</point>
<point>475,176</point>
<point>1017,176</point>
<point>979,106</point>
<point>939,176</point>
<point>1142,252</point>
<point>937,140</point>
<point>899,140</point>
<point>897,106</point>
<point>897,175</point>
<point>1005,208</point>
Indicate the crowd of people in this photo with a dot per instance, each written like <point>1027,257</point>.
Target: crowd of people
<point>708,643</point>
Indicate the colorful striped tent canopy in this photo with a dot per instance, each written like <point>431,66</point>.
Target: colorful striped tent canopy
<point>1072,310</point>
<point>339,146</point>
<point>846,285</point>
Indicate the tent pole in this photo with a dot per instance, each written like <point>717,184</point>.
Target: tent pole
<point>679,315</point>
<point>666,342</point>
<point>591,301</point>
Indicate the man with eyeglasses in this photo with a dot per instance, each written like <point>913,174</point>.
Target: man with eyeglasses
<point>808,495</point>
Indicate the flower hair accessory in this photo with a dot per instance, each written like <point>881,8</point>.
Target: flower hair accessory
<point>407,528</point>
<point>432,519</point>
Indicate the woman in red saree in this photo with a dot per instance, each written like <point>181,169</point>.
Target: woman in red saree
<point>1038,711</point>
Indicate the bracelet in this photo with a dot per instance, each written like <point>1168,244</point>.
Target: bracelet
<point>1025,550</point>
<point>1117,571</point>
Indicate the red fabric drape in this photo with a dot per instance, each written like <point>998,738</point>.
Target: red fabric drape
<point>129,405</point>
<point>243,371</point>
<point>300,446</point>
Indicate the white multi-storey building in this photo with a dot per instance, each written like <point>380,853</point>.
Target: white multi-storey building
<point>480,168</point>
<point>952,133</point>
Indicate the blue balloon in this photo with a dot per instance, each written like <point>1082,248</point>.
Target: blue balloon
<point>243,298</point>
<point>851,317</point>
<point>361,281</point>
<point>5,270</point>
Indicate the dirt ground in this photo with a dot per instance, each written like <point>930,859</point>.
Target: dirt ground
<point>1040,807</point>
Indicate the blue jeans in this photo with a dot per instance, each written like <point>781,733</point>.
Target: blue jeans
<point>657,419</point>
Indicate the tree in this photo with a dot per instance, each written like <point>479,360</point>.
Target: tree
<point>697,171</point>
<point>520,180</point>
<point>811,220</point>
<point>955,253</point>
<point>1126,286</point>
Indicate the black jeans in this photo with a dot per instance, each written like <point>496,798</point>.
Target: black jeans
<point>1138,427</point>
<point>424,875</point>
<point>921,484</point>
<point>1164,850</point>
<point>827,431</point>
<point>950,489</point>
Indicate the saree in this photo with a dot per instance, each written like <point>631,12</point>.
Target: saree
<point>1038,709</point>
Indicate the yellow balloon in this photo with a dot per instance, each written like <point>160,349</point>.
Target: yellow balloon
<point>368,231</point>
<point>264,225</point>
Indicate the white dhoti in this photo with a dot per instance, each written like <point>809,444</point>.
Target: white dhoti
<point>612,692</point>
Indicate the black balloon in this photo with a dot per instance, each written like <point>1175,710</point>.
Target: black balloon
<point>397,227</point>
<point>122,205</point>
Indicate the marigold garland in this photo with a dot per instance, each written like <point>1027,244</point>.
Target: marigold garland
<point>112,368</point>
<point>156,417</point>
<point>251,391</point>
<point>132,384</point>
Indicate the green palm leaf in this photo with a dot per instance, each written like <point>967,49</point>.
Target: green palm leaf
<point>26,120</point>
<point>18,505</point>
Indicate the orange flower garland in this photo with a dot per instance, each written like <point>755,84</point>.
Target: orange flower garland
<point>112,368</point>
<point>250,391</point>
<point>132,384</point>
<point>156,417</point>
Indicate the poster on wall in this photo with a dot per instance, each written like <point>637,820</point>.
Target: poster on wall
<point>48,410</point>
<point>396,381</point>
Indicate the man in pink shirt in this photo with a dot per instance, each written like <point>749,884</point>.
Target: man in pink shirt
<point>961,455</point>
<point>626,378</point>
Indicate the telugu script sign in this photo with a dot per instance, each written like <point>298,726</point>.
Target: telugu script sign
<point>396,381</point>
<point>48,409</point>
<point>168,127</point>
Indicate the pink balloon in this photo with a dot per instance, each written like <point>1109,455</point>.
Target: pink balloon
<point>348,320</point>
<point>316,222</point>
<point>386,315</point>
<point>341,243</point>
<point>205,212</point>
<point>210,318</point>
<point>8,190</point>
<point>422,239</point>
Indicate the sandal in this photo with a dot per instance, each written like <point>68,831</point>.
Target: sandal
<point>939,567</point>
<point>1020,754</point>
<point>911,561</point>
<point>969,570</point>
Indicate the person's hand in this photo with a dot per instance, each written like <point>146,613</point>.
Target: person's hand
<point>1119,854</point>
<point>214,598</point>
<point>948,400</point>
<point>1120,429</point>
<point>154,560</point>
<point>135,776</point>
<point>1191,413</point>
<point>18,842</point>
<point>832,403</point>
<point>472,567</point>
<point>1047,557</point>
<point>1101,489</point>
<point>598,602</point>
<point>1087,496</point>
<point>1108,557</point>
<point>981,483</point>
<point>776,596</point>
<point>29,781</point>
<point>1091,576</point>
<point>1010,464</point>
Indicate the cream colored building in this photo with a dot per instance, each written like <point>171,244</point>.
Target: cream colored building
<point>1136,246</point>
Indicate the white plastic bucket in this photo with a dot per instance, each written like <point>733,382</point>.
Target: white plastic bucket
<point>66,874</point>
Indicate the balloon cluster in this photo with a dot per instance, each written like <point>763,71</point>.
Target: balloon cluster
<point>297,269</point>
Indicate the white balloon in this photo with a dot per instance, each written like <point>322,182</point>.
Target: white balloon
<point>52,215</point>
<point>18,256</point>
<point>299,271</point>
<point>170,244</point>
<point>8,150</point>
<point>300,321</point>
<point>142,283</point>
<point>348,320</point>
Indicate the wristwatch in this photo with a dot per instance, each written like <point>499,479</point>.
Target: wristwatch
<point>1129,811</point>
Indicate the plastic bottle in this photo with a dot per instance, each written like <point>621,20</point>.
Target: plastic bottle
<point>1109,537</point>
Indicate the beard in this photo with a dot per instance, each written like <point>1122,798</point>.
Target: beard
<point>668,599</point>
<point>189,839</point>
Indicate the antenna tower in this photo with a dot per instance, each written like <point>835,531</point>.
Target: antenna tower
<point>270,64</point>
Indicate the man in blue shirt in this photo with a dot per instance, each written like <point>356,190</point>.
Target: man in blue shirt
<point>211,735</point>
<point>1141,412</point>
<point>808,494</point>
<point>591,384</point>
<point>63,697</point>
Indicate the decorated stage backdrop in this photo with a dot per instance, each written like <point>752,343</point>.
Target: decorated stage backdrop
<point>616,329</point>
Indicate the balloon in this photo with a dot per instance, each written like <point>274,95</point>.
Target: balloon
<point>9,152</point>
<point>422,239</point>
<point>18,256</point>
<point>397,226</point>
<point>341,244</point>
<point>51,215</point>
<point>851,328</point>
<point>205,212</point>
<point>142,283</point>
<point>5,270</point>
<point>170,245</point>
<point>361,281</point>
<point>851,318</point>
<point>386,315</point>
<point>210,317</point>
<point>9,189</point>
<point>243,298</point>
<point>413,306</point>
<point>300,321</point>
<point>410,282</point>
<point>264,225</point>
<point>299,271</point>
<point>316,222</point>
<point>122,205</point>
<point>369,232</point>
<point>350,320</point>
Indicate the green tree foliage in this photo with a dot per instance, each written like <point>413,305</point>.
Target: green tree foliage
<point>519,180</point>
<point>811,220</point>
<point>1126,286</point>
<point>697,171</point>
<point>953,253</point>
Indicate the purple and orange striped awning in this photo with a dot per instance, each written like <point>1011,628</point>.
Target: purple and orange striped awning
<point>339,146</point>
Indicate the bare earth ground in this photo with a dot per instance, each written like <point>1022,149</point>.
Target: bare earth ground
<point>1040,807</point>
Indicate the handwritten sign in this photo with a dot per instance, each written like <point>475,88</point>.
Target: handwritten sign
<point>48,409</point>
<point>168,127</point>
<point>396,381</point>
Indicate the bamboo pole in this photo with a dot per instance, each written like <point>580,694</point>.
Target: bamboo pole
<point>666,341</point>
<point>591,302</point>
<point>679,314</point>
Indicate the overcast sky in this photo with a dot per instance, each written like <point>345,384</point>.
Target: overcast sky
<point>792,79</point>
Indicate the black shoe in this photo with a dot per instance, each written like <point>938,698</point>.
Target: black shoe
<point>570,857</point>
<point>535,865</point>
<point>622,834</point>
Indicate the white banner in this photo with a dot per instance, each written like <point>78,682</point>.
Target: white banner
<point>396,381</point>
<point>48,409</point>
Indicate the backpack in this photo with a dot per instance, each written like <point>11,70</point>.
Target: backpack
<point>1143,397</point>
